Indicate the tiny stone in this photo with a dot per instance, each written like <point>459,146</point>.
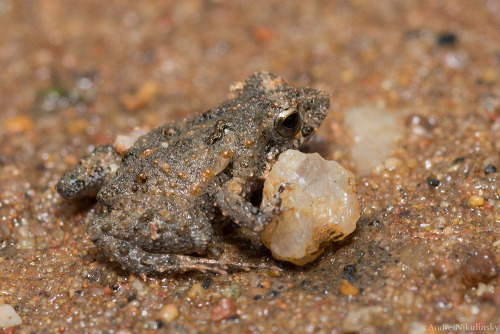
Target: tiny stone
<point>447,39</point>
<point>144,94</point>
<point>206,283</point>
<point>169,312</point>
<point>130,298</point>
<point>19,124</point>
<point>349,272</point>
<point>232,291</point>
<point>481,267</point>
<point>196,291</point>
<point>124,142</point>
<point>489,75</point>
<point>475,201</point>
<point>305,283</point>
<point>433,182</point>
<point>223,310</point>
<point>347,289</point>
<point>8,316</point>
<point>490,169</point>
<point>265,284</point>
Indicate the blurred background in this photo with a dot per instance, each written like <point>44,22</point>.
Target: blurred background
<point>415,81</point>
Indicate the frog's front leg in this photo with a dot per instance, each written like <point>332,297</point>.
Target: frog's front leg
<point>88,176</point>
<point>232,199</point>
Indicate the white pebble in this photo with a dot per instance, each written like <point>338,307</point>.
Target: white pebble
<point>8,316</point>
<point>322,206</point>
<point>375,133</point>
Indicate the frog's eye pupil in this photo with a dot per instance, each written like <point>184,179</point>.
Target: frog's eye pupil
<point>288,123</point>
<point>291,121</point>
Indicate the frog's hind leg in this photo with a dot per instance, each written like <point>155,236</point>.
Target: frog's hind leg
<point>88,176</point>
<point>143,263</point>
<point>153,241</point>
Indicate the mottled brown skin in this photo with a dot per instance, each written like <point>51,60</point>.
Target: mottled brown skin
<point>158,200</point>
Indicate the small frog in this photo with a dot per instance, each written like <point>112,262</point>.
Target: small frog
<point>159,199</point>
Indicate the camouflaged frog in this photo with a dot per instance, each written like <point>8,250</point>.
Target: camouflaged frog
<point>159,199</point>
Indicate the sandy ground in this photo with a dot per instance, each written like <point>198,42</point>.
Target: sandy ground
<point>425,256</point>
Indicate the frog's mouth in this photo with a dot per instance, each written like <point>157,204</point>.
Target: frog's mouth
<point>307,132</point>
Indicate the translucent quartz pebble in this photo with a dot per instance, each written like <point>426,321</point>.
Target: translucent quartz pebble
<point>365,124</point>
<point>8,316</point>
<point>321,206</point>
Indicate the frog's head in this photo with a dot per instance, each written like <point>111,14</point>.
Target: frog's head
<point>290,115</point>
<point>270,117</point>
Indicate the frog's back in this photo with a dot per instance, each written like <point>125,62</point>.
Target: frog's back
<point>175,161</point>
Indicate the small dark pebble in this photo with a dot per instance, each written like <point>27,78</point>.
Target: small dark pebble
<point>433,182</point>
<point>131,298</point>
<point>78,292</point>
<point>260,286</point>
<point>305,283</point>
<point>274,293</point>
<point>490,169</point>
<point>349,272</point>
<point>206,283</point>
<point>350,268</point>
<point>481,267</point>
<point>447,39</point>
<point>406,213</point>
<point>459,159</point>
<point>16,308</point>
<point>257,297</point>
<point>160,323</point>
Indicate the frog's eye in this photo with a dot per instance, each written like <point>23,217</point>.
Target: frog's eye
<point>288,122</point>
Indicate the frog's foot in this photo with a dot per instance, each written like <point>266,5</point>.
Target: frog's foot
<point>162,264</point>
<point>273,208</point>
